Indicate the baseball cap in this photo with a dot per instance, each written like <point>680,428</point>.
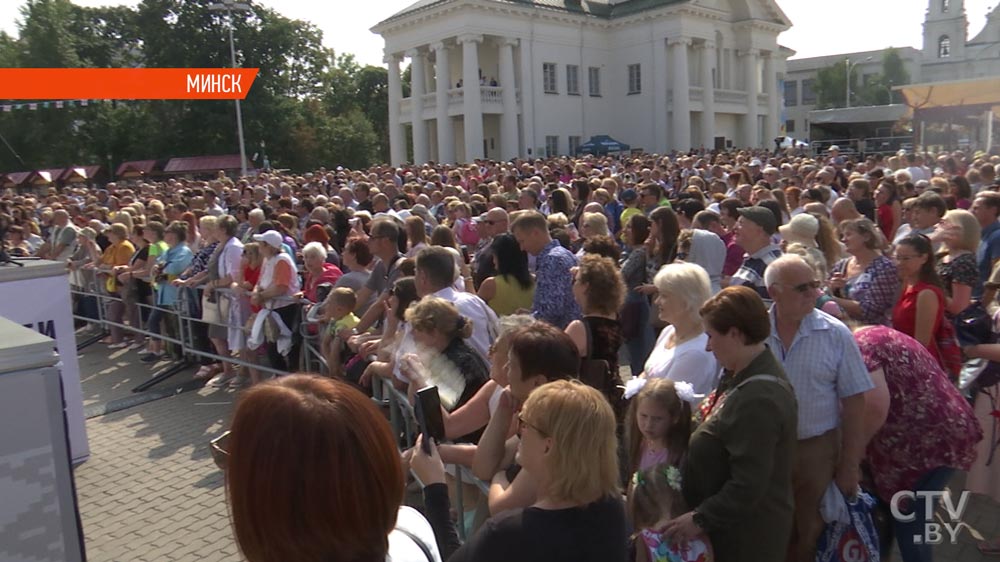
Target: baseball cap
<point>760,215</point>
<point>755,162</point>
<point>629,195</point>
<point>271,237</point>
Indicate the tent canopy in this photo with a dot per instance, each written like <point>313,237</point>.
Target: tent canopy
<point>601,144</point>
<point>868,114</point>
<point>203,164</point>
<point>979,95</point>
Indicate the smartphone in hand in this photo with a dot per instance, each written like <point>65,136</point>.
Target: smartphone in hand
<point>428,413</point>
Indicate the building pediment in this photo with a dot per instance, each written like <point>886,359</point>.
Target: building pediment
<point>738,10</point>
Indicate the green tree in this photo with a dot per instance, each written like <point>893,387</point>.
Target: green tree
<point>874,89</point>
<point>831,85</point>
<point>310,107</point>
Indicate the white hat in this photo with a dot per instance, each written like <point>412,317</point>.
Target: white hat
<point>803,229</point>
<point>271,237</point>
<point>834,147</point>
<point>755,162</point>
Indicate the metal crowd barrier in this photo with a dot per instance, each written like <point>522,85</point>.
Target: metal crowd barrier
<point>181,311</point>
<point>404,423</point>
<point>402,417</point>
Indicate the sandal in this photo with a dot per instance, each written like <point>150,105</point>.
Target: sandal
<point>206,372</point>
<point>989,548</point>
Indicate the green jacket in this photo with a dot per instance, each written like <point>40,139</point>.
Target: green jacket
<point>738,470</point>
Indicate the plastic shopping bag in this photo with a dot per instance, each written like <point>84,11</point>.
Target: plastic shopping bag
<point>856,541</point>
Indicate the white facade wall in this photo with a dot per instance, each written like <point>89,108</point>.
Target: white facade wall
<point>654,119</point>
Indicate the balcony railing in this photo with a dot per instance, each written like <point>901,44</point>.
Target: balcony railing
<point>730,96</point>
<point>490,96</point>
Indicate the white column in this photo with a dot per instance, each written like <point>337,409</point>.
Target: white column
<point>661,142</point>
<point>508,95</point>
<point>528,99</point>
<point>397,145</point>
<point>708,95</point>
<point>445,132</point>
<point>750,131</point>
<point>472,97</point>
<point>417,85</point>
<point>682,93</point>
<point>773,120</point>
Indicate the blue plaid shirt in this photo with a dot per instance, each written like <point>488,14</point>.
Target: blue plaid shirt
<point>554,302</point>
<point>824,365</point>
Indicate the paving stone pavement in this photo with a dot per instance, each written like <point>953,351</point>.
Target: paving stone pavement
<point>150,491</point>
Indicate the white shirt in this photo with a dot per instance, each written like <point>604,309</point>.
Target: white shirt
<point>229,261</point>
<point>402,547</point>
<point>687,362</point>
<point>916,173</point>
<point>484,320</point>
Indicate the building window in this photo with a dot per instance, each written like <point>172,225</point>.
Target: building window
<point>809,92</point>
<point>594,79</point>
<point>790,126</point>
<point>944,47</point>
<point>945,4</point>
<point>549,78</point>
<point>551,146</point>
<point>791,93</point>
<point>634,79</point>
<point>574,143</point>
<point>572,79</point>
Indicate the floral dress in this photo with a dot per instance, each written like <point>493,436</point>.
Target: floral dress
<point>929,425</point>
<point>962,270</point>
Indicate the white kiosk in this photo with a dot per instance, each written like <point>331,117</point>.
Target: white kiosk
<point>37,296</point>
<point>39,520</point>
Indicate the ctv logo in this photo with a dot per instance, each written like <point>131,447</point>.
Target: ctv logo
<point>934,532</point>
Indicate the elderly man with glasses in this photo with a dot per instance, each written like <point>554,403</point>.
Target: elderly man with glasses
<point>830,379</point>
<point>493,223</point>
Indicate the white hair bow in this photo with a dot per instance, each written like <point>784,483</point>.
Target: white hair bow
<point>684,389</point>
<point>633,386</point>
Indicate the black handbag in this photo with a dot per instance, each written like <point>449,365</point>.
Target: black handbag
<point>597,373</point>
<point>974,326</point>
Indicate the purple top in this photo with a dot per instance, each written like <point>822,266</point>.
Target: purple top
<point>875,289</point>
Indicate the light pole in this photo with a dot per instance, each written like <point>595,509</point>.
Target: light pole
<point>850,66</point>
<point>229,6</point>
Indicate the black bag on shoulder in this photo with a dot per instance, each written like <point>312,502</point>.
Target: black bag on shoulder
<point>597,374</point>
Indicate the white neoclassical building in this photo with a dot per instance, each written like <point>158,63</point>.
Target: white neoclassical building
<point>518,78</point>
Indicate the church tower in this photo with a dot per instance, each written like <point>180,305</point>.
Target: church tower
<point>945,31</point>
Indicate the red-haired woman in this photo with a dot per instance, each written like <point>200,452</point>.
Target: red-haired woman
<point>288,437</point>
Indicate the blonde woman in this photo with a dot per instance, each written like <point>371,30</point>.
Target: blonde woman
<point>116,255</point>
<point>416,235</point>
<point>568,444</point>
<point>959,232</point>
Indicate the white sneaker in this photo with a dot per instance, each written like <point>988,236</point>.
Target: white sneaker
<point>221,379</point>
<point>239,381</point>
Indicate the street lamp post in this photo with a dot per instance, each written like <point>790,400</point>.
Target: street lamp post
<point>850,66</point>
<point>229,6</point>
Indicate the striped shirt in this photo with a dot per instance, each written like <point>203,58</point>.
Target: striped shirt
<point>824,366</point>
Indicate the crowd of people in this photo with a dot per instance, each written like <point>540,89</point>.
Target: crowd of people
<point>644,357</point>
